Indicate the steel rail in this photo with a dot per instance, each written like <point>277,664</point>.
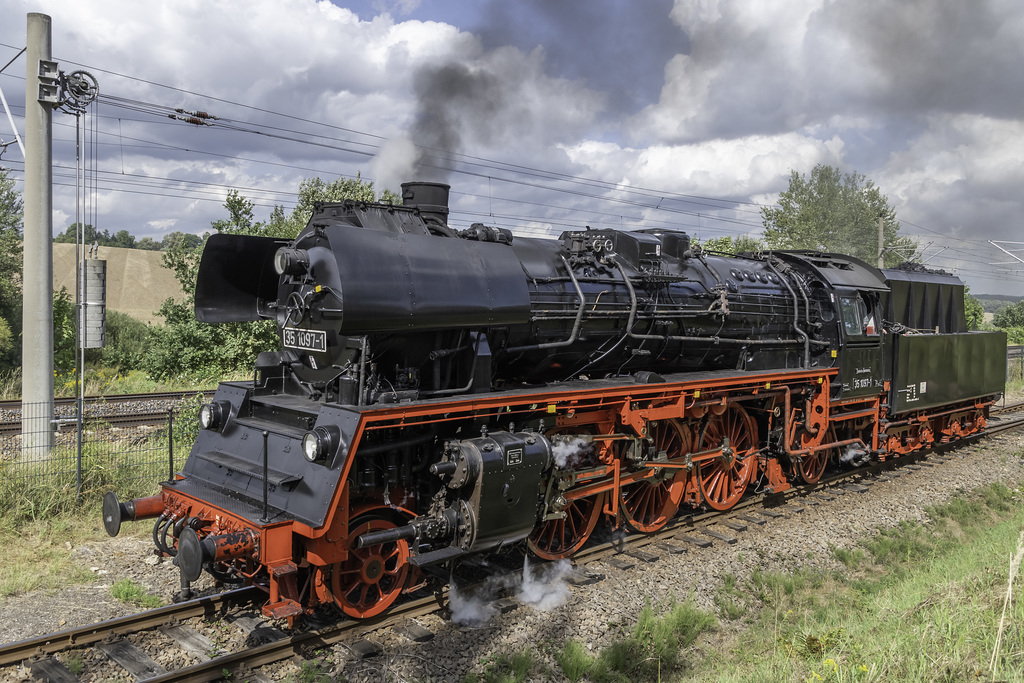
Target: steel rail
<point>1013,407</point>
<point>158,417</point>
<point>15,404</point>
<point>12,653</point>
<point>275,651</point>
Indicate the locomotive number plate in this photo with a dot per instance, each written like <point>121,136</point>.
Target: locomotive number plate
<point>308,340</point>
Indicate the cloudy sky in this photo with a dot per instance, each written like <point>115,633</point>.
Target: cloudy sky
<point>546,115</point>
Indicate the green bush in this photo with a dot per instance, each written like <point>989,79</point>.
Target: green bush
<point>127,341</point>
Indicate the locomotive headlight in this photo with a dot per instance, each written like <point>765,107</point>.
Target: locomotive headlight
<point>291,261</point>
<point>320,443</point>
<point>213,415</point>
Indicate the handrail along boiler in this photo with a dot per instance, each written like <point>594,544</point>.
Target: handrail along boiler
<point>441,393</point>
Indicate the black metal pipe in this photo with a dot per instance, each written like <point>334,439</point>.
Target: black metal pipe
<point>386,536</point>
<point>444,469</point>
<point>574,335</point>
<point>170,444</point>
<point>796,315</point>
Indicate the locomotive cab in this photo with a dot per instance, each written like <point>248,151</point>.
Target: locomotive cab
<point>862,356</point>
<point>849,293</point>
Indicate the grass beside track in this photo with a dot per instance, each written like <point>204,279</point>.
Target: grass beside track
<point>916,602</point>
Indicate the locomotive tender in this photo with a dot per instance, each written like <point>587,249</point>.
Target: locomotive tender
<point>439,393</point>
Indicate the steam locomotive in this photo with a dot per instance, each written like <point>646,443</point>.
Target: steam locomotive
<point>440,393</point>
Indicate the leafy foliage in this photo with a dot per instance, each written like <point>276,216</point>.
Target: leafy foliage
<point>127,342</point>
<point>1011,316</point>
<point>974,310</point>
<point>729,245</point>
<point>994,303</point>
<point>63,334</point>
<point>836,212</point>
<point>123,238</point>
<point>6,338</point>
<point>11,213</point>
<point>1014,335</point>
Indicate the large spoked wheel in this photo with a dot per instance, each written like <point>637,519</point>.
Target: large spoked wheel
<point>560,538</point>
<point>811,467</point>
<point>724,480</point>
<point>372,578</point>
<point>647,505</point>
<point>556,539</point>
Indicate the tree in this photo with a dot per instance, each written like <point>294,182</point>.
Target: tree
<point>90,235</point>
<point>123,239</point>
<point>313,190</point>
<point>1011,316</point>
<point>741,244</point>
<point>1011,321</point>
<point>974,311</point>
<point>11,214</point>
<point>185,239</point>
<point>836,212</point>
<point>64,360</point>
<point>126,343</point>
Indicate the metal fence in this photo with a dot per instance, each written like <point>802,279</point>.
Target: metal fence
<point>48,460</point>
<point>1015,363</point>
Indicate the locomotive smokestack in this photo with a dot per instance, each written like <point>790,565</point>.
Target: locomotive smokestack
<point>430,198</point>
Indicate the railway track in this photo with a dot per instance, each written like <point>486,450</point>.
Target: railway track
<point>113,410</point>
<point>700,529</point>
<point>15,404</point>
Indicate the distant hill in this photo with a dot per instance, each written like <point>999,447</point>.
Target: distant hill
<point>137,281</point>
<point>994,303</point>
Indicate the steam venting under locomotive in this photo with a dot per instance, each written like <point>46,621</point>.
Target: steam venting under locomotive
<point>441,392</point>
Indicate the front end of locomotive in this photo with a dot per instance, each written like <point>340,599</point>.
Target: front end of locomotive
<point>262,477</point>
<point>321,504</point>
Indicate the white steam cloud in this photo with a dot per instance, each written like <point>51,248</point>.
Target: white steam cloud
<point>542,587</point>
<point>545,589</point>
<point>569,453</point>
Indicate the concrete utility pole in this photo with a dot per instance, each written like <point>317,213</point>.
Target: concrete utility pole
<point>41,93</point>
<point>881,242</point>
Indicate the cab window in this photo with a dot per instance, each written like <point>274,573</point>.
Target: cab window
<point>858,316</point>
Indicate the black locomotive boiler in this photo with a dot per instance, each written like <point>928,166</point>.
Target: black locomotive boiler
<point>439,393</point>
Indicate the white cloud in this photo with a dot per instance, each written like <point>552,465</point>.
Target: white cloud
<point>714,168</point>
<point>969,158</point>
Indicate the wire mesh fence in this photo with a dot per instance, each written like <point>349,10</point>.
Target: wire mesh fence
<point>49,460</point>
<point>1015,363</point>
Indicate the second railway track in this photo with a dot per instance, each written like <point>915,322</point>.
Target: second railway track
<point>119,410</point>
